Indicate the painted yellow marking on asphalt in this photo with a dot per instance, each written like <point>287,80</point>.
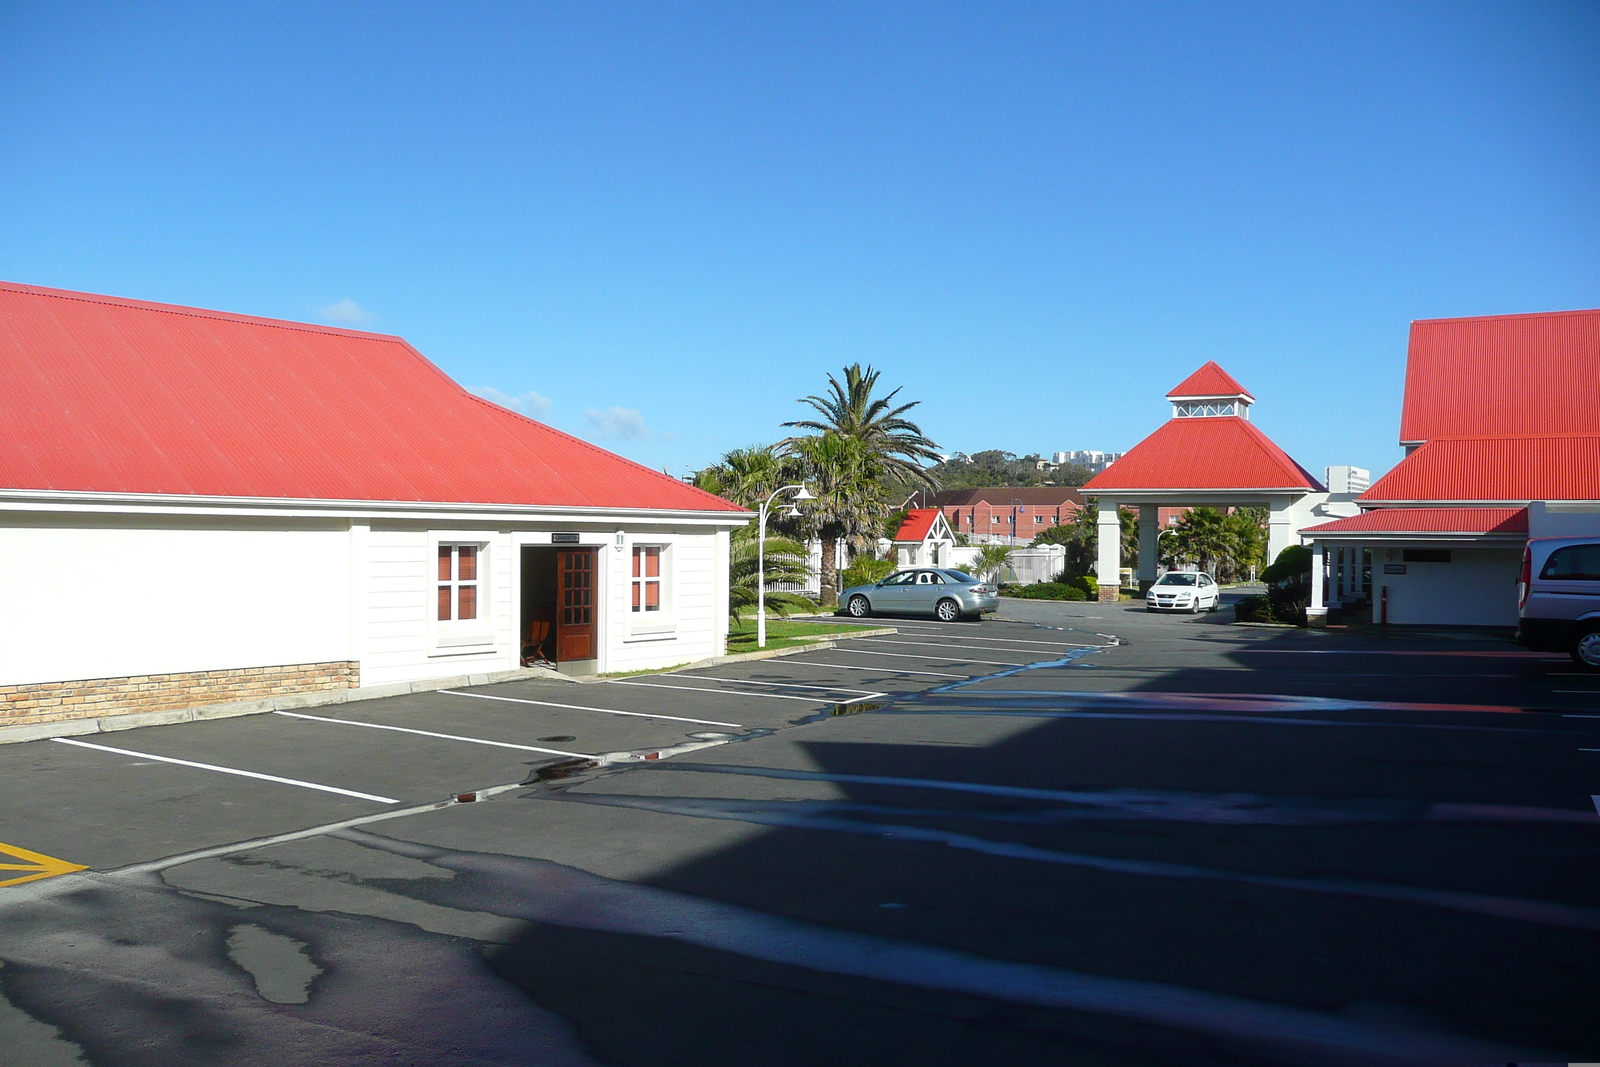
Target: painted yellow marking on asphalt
<point>39,866</point>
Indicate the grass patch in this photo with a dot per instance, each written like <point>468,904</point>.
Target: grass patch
<point>781,633</point>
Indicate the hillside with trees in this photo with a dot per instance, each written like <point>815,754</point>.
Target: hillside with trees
<point>994,467</point>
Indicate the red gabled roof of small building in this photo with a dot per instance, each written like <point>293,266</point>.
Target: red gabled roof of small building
<point>1209,380</point>
<point>1533,467</point>
<point>1502,375</point>
<point>101,394</point>
<point>917,524</point>
<point>1430,520</point>
<point>1221,452</point>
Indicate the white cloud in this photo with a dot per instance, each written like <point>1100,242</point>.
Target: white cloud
<point>625,424</point>
<point>529,403</point>
<point>346,312</point>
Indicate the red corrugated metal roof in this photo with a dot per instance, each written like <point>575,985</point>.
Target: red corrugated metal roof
<point>1545,467</point>
<point>100,394</point>
<point>1503,375</point>
<point>1222,452</point>
<point>1209,380</point>
<point>1430,520</point>
<point>917,523</point>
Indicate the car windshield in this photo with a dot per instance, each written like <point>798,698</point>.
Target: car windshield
<point>961,576</point>
<point>1177,579</point>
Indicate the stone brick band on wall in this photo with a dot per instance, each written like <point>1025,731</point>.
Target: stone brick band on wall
<point>90,698</point>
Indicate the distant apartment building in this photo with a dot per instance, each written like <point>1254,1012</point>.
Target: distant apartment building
<point>1090,459</point>
<point>1003,514</point>
<point>1343,479</point>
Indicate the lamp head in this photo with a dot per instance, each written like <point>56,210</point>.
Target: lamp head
<point>804,494</point>
<point>792,513</point>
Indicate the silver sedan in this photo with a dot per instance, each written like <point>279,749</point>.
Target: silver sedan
<point>946,594</point>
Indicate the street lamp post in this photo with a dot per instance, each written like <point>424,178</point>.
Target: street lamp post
<point>761,554</point>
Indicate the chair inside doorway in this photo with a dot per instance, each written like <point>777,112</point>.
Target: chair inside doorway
<point>540,592</point>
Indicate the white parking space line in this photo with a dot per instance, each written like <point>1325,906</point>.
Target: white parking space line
<point>908,655</point>
<point>721,692</point>
<point>947,636</point>
<point>226,770</point>
<point>797,661</point>
<point>924,644</point>
<point>783,685</point>
<point>430,733</point>
<point>581,707</point>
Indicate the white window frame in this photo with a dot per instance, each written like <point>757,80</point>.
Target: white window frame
<point>652,625</point>
<point>461,637</point>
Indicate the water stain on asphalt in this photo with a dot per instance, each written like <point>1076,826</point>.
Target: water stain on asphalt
<point>281,966</point>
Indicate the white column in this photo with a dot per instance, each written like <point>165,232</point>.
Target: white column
<point>1108,533</point>
<point>1149,537</point>
<point>1317,611</point>
<point>1336,574</point>
<point>1280,527</point>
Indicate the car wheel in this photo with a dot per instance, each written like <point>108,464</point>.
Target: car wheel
<point>1586,651</point>
<point>947,610</point>
<point>858,607</point>
<point>1150,609</point>
<point>1215,604</point>
<point>1194,609</point>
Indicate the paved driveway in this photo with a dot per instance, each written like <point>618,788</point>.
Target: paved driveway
<point>1074,834</point>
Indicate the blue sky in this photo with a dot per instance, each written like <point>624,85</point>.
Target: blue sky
<point>656,225</point>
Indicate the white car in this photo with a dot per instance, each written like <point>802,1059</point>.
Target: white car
<point>1191,591</point>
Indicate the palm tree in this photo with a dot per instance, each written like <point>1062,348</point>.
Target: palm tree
<point>1205,535</point>
<point>991,560</point>
<point>785,565</point>
<point>897,444</point>
<point>850,504</point>
<point>746,476</point>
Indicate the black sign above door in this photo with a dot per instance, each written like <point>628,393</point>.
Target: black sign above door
<point>563,539</point>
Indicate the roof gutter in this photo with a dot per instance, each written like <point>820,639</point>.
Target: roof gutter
<point>37,500</point>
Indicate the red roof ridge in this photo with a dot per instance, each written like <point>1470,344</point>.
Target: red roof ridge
<point>199,312</point>
<point>1512,315</point>
<point>1510,436</point>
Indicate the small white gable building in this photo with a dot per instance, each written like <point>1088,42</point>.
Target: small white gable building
<point>924,539</point>
<point>200,508</point>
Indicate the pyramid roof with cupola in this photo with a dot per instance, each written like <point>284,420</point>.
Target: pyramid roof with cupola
<point>1206,452</point>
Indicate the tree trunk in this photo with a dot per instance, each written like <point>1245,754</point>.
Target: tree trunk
<point>830,572</point>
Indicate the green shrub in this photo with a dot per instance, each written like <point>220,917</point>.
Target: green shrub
<point>1044,591</point>
<point>1086,582</point>
<point>1289,584</point>
<point>1253,609</point>
<point>866,571</point>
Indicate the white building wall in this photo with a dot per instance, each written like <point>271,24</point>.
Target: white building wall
<point>401,641</point>
<point>86,598</point>
<point>1476,588</point>
<point>117,596</point>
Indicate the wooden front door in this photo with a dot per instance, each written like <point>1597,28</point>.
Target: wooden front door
<point>575,609</point>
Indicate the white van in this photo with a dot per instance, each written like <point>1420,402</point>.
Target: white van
<point>1559,593</point>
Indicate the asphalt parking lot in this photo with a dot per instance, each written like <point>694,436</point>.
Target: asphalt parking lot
<point>1076,833</point>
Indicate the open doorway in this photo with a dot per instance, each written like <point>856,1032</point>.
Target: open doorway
<point>558,608</point>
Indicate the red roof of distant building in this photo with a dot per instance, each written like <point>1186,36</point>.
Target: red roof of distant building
<point>1546,467</point>
<point>1221,452</point>
<point>1503,375</point>
<point>1430,520</point>
<point>1209,380</point>
<point>917,524</point>
<point>1005,496</point>
<point>100,394</point>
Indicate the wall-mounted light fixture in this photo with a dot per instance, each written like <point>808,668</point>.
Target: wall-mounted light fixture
<point>622,540</point>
